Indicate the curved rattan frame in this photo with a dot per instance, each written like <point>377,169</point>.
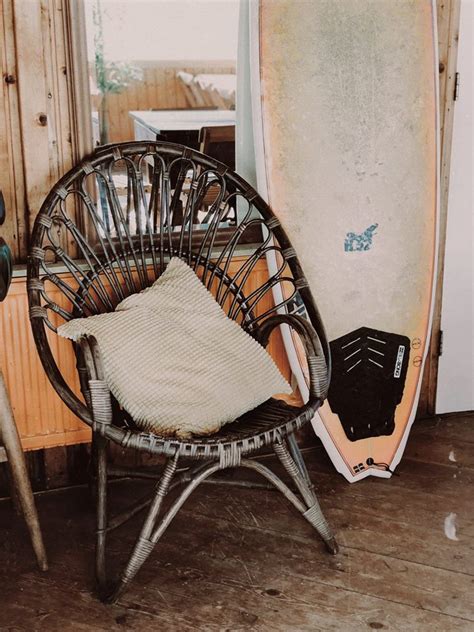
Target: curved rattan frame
<point>114,240</point>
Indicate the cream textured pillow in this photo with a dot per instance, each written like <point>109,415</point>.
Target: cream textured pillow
<point>175,361</point>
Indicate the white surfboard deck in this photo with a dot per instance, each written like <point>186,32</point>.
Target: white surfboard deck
<point>345,126</point>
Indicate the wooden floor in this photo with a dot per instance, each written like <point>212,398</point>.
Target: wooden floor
<point>239,559</point>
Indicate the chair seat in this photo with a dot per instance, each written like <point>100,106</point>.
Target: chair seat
<point>264,425</point>
<point>271,416</point>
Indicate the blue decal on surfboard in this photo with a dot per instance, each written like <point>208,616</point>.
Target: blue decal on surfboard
<point>355,242</point>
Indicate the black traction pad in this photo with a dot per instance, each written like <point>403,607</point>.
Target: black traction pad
<point>369,369</point>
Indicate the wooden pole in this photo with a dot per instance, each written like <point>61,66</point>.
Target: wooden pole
<point>448,37</point>
<point>16,460</point>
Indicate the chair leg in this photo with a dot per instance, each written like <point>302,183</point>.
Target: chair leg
<point>92,469</point>
<point>19,474</point>
<point>313,513</point>
<point>298,458</point>
<point>100,449</point>
<point>145,542</point>
<point>153,527</point>
<point>13,490</point>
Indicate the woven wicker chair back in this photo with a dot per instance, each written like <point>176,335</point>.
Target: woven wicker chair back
<point>109,227</point>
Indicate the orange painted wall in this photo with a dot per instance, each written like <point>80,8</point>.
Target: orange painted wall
<point>42,419</point>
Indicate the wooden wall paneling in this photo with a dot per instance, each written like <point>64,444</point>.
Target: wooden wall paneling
<point>156,72</point>
<point>45,114</point>
<point>150,93</point>
<point>117,107</point>
<point>54,38</point>
<point>138,95</point>
<point>12,183</point>
<point>77,77</point>
<point>135,98</point>
<point>170,87</point>
<point>148,85</point>
<point>128,102</point>
<point>37,125</point>
<point>122,106</point>
<point>448,35</point>
<point>131,103</point>
<point>181,99</point>
<point>166,100</point>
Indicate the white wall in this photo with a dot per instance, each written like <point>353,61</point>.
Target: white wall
<point>166,29</point>
<point>456,368</point>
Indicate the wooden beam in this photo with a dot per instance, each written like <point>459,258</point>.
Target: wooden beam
<point>448,36</point>
<point>45,112</point>
<point>12,182</point>
<point>77,72</point>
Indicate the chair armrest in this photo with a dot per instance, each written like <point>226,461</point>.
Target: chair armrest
<point>96,391</point>
<point>319,367</point>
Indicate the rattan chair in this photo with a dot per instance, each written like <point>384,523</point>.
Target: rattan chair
<point>107,229</point>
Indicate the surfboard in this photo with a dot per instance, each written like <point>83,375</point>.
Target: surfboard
<point>345,126</point>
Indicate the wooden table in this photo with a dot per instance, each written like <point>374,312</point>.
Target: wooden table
<point>181,126</point>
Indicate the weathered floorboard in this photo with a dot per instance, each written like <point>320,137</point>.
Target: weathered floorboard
<point>238,559</point>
